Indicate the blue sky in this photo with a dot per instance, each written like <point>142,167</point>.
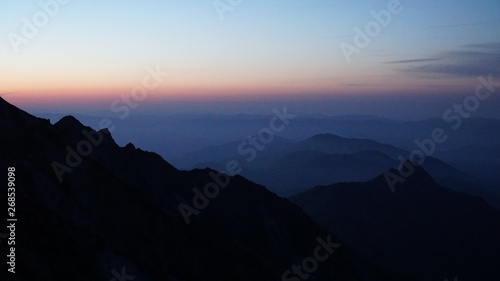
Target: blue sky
<point>259,48</point>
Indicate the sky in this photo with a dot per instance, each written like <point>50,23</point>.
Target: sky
<point>78,53</point>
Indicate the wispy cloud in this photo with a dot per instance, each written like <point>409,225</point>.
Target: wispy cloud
<point>411,61</point>
<point>470,60</point>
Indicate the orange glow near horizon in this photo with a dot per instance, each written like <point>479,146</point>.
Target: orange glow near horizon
<point>182,85</point>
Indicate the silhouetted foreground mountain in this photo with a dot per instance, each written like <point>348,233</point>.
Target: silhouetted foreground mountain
<point>421,230</point>
<point>115,215</point>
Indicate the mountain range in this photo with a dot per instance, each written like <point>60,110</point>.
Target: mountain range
<point>288,167</point>
<point>90,209</point>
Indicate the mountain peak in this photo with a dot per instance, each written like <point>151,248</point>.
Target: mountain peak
<point>420,217</point>
<point>68,122</point>
<point>409,176</point>
<point>326,136</point>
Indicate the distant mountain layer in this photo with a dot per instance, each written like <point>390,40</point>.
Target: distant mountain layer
<point>89,209</point>
<point>421,230</point>
<point>183,138</point>
<point>288,167</point>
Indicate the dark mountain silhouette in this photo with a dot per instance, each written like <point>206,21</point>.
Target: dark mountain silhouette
<point>115,210</point>
<point>422,230</point>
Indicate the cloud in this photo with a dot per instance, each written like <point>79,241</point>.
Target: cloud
<point>470,60</point>
<point>411,61</point>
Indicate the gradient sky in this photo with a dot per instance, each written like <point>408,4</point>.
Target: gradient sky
<point>100,49</point>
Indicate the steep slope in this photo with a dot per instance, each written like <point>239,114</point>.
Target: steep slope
<point>88,209</point>
<point>421,230</point>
